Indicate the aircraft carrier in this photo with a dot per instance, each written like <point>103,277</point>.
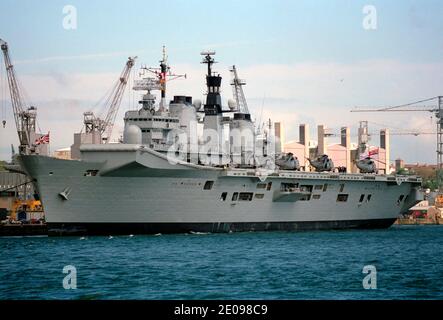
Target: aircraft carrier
<point>188,166</point>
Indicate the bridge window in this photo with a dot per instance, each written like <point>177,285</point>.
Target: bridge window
<point>342,187</point>
<point>235,196</point>
<point>362,197</point>
<point>223,196</point>
<point>261,186</point>
<point>259,196</point>
<point>369,197</point>
<point>316,196</point>
<point>342,197</point>
<point>318,187</point>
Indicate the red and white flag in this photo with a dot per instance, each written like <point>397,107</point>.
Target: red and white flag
<point>373,151</point>
<point>42,140</point>
<point>369,152</point>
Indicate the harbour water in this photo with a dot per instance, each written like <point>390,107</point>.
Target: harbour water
<point>254,265</point>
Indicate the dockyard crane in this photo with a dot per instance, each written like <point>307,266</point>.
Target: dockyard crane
<point>105,124</point>
<point>237,90</point>
<point>25,118</point>
<point>435,106</point>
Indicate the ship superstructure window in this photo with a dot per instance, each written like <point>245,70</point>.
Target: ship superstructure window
<point>259,196</point>
<point>306,197</point>
<point>208,185</point>
<point>306,188</point>
<point>316,196</point>
<point>342,187</point>
<point>154,119</point>
<point>261,186</point>
<point>342,197</point>
<point>245,196</point>
<point>318,187</point>
<point>325,187</point>
<point>288,187</point>
<point>269,186</point>
<point>235,196</point>
<point>362,197</point>
<point>223,196</point>
<point>369,197</point>
<point>90,173</point>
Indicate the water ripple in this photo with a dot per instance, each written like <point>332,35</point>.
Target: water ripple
<point>274,265</point>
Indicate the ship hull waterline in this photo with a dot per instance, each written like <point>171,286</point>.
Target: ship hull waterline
<point>104,229</point>
<point>133,198</point>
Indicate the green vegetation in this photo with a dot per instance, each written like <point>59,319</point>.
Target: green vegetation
<point>431,182</point>
<point>427,173</point>
<point>403,171</point>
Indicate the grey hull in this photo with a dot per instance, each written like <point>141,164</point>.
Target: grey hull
<point>139,192</point>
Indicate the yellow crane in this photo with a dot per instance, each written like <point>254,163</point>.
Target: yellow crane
<point>32,207</point>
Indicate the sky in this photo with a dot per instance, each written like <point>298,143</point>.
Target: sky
<point>304,61</point>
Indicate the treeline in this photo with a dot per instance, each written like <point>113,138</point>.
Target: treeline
<point>429,176</point>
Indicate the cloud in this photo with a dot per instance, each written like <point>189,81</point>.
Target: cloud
<point>90,56</point>
<point>311,92</point>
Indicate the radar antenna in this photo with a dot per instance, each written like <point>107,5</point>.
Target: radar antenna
<point>163,74</point>
<point>208,59</point>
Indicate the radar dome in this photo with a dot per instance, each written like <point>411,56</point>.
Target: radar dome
<point>132,135</point>
<point>197,104</point>
<point>232,104</point>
